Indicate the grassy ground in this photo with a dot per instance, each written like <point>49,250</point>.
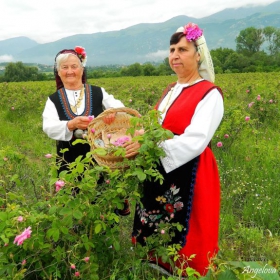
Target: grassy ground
<point>249,159</point>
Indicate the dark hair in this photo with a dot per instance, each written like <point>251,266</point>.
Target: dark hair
<point>176,37</point>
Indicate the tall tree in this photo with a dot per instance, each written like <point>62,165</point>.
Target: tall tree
<point>249,41</point>
<point>17,72</point>
<point>272,36</point>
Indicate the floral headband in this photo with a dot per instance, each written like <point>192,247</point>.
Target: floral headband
<point>78,51</point>
<point>192,31</point>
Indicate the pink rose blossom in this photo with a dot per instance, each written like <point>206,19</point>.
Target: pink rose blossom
<point>48,155</point>
<point>192,31</point>
<point>109,136</point>
<point>58,185</point>
<point>92,130</point>
<point>219,144</point>
<point>73,266</point>
<point>23,262</point>
<point>77,274</point>
<point>86,259</point>
<point>24,235</point>
<point>107,181</point>
<point>250,104</point>
<point>162,231</point>
<point>247,118</point>
<point>226,136</point>
<point>258,97</point>
<point>120,141</point>
<point>20,218</point>
<point>270,101</point>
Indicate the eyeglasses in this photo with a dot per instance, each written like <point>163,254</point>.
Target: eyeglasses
<point>66,67</point>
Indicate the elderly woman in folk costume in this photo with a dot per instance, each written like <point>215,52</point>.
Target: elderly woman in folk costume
<point>70,109</point>
<point>192,108</point>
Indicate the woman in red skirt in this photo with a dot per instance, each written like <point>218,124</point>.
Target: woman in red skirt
<point>192,108</point>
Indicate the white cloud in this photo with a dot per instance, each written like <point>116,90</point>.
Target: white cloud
<point>6,58</point>
<point>158,55</point>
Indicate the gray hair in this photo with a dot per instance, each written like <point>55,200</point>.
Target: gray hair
<point>63,57</point>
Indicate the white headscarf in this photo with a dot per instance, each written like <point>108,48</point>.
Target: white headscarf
<point>206,68</point>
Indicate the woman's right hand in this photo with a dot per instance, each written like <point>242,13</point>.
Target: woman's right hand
<point>80,122</point>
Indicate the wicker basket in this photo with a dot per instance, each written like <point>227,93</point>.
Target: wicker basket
<point>117,128</point>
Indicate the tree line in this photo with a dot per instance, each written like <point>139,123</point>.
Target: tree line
<point>257,50</point>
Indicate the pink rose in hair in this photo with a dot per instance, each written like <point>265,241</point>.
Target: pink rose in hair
<point>192,31</point>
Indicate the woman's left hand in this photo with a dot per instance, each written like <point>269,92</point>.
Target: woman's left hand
<point>131,149</point>
<point>109,118</point>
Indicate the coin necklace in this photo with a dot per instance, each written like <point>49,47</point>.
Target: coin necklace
<point>79,100</point>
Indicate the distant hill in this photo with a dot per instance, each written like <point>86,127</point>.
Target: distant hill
<point>145,42</point>
<point>16,45</point>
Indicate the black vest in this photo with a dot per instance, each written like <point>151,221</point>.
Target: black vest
<point>93,107</point>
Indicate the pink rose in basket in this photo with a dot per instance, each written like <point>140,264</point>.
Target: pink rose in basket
<point>120,141</point>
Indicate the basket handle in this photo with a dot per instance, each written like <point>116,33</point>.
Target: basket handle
<point>118,110</point>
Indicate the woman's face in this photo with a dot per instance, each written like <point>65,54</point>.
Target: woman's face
<point>184,58</point>
<point>71,71</point>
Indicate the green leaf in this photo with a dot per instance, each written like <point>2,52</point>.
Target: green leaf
<point>100,152</point>
<point>119,190</point>
<point>13,196</point>
<point>4,238</point>
<point>140,174</point>
<point>52,210</point>
<point>55,234</point>
<point>77,214</point>
<point>97,228</point>
<point>64,230</point>
<point>3,216</point>
<point>116,245</point>
<point>65,211</point>
<point>228,274</point>
<point>80,167</point>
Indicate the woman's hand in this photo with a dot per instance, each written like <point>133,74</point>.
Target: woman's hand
<point>109,118</point>
<point>131,149</point>
<point>80,122</point>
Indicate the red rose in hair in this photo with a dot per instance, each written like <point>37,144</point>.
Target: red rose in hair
<point>81,54</point>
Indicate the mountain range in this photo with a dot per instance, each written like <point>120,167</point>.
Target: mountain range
<point>145,42</point>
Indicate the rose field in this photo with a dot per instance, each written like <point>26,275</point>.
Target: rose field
<point>47,233</point>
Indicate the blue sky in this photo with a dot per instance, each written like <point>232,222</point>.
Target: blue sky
<point>48,21</point>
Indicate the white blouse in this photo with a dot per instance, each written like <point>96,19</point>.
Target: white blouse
<point>205,121</point>
<point>57,129</point>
